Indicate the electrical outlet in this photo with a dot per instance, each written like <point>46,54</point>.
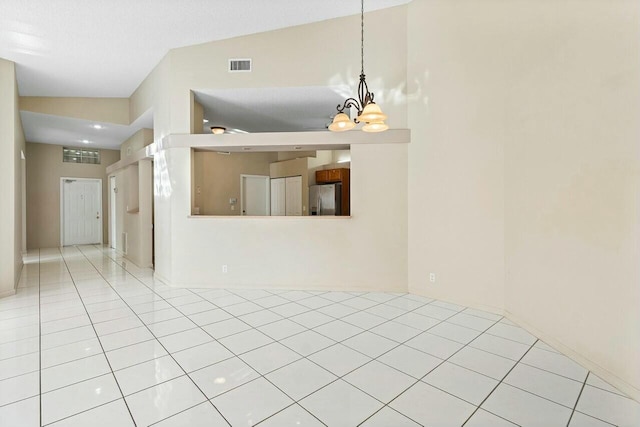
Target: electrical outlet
<point>225,270</point>
<point>432,277</point>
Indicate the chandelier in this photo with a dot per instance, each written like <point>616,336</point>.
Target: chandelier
<point>369,112</point>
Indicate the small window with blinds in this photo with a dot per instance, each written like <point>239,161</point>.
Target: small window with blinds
<point>81,155</point>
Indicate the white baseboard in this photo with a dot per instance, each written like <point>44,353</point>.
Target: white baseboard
<point>7,293</point>
<point>603,373</point>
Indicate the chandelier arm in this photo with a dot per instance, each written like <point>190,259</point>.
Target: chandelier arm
<point>351,102</point>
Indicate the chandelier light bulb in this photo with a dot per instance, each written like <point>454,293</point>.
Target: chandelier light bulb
<point>379,126</point>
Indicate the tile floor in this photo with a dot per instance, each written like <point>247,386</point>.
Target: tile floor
<point>90,339</point>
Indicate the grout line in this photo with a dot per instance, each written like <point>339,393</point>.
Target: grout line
<point>578,398</point>
<point>98,338</point>
<point>497,385</point>
<point>159,342</point>
<point>39,346</point>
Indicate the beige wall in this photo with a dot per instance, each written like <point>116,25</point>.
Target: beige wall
<point>44,170</point>
<point>524,169</point>
<point>110,110</point>
<point>11,215</point>
<point>572,180</point>
<point>217,176</point>
<point>138,140</point>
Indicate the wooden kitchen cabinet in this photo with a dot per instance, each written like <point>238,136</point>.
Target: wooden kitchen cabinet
<point>343,176</point>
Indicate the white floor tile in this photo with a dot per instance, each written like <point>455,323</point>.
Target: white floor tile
<point>461,382</point>
<point>430,406</point>
<point>579,419</point>
<point>483,418</point>
<point>592,380</point>
<point>281,329</point>
<point>545,384</point>
<point>70,352</point>
<point>338,330</point>
<point>25,413</point>
<point>556,363</point>
<point>387,417</point>
<point>78,397</point>
<point>609,407</point>
<point>134,354</point>
<point>359,303</point>
<point>294,415</point>
<point>340,404</point>
<point>147,374</point>
<point>183,340</point>
<point>203,415</point>
<point>200,356</point>
<point>380,381</point>
<point>251,403</point>
<point>396,331</point>
<point>259,318</point>
<point>19,348</point>
<point>300,378</point>
<point>315,302</point>
<point>118,325</point>
<point>339,359</point>
<point>370,344</point>
<point>242,308</point>
<point>311,319</point>
<point>435,312</point>
<point>270,357</point>
<point>245,341</point>
<point>125,338</point>
<point>502,347</point>
<point>434,345</point>
<point>73,372</point>
<point>364,320</point>
<point>160,315</point>
<point>385,311</point>
<point>223,376</point>
<point>405,304</point>
<point>210,316</point>
<point>337,311</point>
<point>271,301</point>
<point>448,305</point>
<point>482,314</point>
<point>109,415</point>
<point>307,342</point>
<point>472,322</point>
<point>410,361</point>
<point>485,363</point>
<point>226,328</point>
<point>19,388</point>
<point>417,321</point>
<point>164,400</point>
<point>514,333</point>
<point>19,365</point>
<point>454,332</point>
<point>525,408</point>
<point>290,309</point>
<point>168,327</point>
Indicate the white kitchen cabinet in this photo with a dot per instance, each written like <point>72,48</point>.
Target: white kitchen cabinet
<point>294,195</point>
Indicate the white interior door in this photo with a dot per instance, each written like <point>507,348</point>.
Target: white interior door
<point>294,195</point>
<point>278,194</point>
<point>112,213</point>
<point>81,211</point>
<point>254,195</point>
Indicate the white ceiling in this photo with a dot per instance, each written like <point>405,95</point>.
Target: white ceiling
<point>98,48</point>
<point>292,109</point>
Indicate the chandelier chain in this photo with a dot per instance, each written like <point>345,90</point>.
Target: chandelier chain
<point>362,37</point>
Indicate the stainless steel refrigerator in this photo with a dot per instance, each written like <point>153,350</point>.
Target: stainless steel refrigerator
<point>325,199</point>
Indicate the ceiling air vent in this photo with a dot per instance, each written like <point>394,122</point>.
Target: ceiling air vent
<point>240,65</point>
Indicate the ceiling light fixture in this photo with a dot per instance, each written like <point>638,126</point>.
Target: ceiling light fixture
<point>85,141</point>
<point>217,130</point>
<point>368,111</point>
<point>97,126</point>
<point>205,121</point>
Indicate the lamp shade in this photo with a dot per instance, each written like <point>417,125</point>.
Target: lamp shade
<point>372,113</point>
<point>379,126</point>
<point>217,130</point>
<point>341,123</point>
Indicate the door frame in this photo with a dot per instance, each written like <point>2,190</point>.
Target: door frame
<point>62,180</point>
<point>267,181</point>
<point>112,226</point>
